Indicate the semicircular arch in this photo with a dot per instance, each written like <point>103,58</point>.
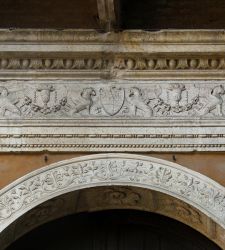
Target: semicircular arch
<point>110,169</point>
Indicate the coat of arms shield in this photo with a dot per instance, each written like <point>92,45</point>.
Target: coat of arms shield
<point>112,100</point>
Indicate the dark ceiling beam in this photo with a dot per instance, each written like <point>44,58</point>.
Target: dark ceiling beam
<point>108,13</point>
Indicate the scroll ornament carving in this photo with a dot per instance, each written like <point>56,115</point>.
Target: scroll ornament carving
<point>185,211</point>
<point>186,185</point>
<point>42,214</point>
<point>119,196</point>
<point>64,100</point>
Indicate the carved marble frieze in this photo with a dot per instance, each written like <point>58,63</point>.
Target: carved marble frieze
<point>79,90</point>
<point>118,114</point>
<point>112,169</point>
<point>108,99</point>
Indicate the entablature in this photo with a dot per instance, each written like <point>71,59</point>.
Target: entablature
<point>80,90</point>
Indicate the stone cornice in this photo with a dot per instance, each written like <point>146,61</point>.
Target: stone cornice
<point>36,36</point>
<point>73,54</point>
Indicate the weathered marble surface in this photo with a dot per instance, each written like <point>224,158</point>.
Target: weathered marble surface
<point>79,90</point>
<point>112,170</point>
<point>123,99</point>
<point>112,114</point>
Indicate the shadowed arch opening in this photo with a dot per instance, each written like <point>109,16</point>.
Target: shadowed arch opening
<point>114,229</point>
<point>119,181</point>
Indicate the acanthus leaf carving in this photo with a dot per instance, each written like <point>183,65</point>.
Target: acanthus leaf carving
<point>188,186</point>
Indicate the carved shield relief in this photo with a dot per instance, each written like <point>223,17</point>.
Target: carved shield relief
<point>112,100</point>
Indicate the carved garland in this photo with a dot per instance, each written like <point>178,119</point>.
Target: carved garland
<point>116,106</point>
<point>112,169</point>
<point>111,99</point>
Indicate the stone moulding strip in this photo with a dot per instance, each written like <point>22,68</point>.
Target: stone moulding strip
<point>151,63</point>
<point>116,136</point>
<point>35,36</point>
<point>128,147</point>
<point>118,143</point>
<point>112,169</point>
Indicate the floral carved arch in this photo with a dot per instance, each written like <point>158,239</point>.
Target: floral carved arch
<point>112,170</point>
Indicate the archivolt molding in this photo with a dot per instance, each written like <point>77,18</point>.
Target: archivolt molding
<point>108,170</point>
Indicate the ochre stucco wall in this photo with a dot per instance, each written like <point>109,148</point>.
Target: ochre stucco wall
<point>16,165</point>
